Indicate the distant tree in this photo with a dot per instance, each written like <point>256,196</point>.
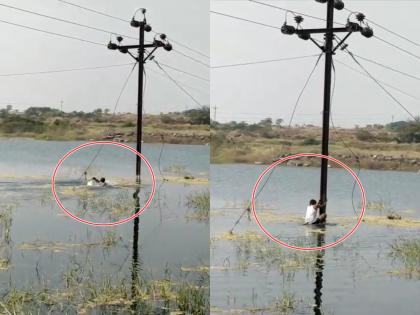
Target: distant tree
<point>9,108</point>
<point>279,121</point>
<point>198,116</point>
<point>266,122</point>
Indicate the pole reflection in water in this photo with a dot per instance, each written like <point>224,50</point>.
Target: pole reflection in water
<point>319,268</point>
<point>5,239</point>
<point>135,258</point>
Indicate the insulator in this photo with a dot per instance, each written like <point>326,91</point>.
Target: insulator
<point>298,19</point>
<point>123,50</point>
<point>352,27</point>
<point>120,39</point>
<point>112,46</point>
<point>134,23</point>
<point>304,36</point>
<point>338,4</point>
<point>367,32</point>
<point>162,36</point>
<point>143,10</point>
<point>147,28</point>
<point>168,47</point>
<point>288,29</point>
<point>360,17</point>
<point>321,1</point>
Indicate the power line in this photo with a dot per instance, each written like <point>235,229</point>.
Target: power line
<point>185,72</point>
<point>94,11</point>
<point>245,20</point>
<point>388,30</point>
<point>181,83</point>
<point>63,70</point>
<point>262,61</point>
<point>388,67</point>
<point>304,88</point>
<point>396,47</point>
<point>191,58</point>
<point>342,140</point>
<point>65,21</point>
<point>381,86</point>
<point>382,82</point>
<point>292,11</point>
<point>177,84</point>
<point>113,113</point>
<point>52,33</point>
<point>127,21</point>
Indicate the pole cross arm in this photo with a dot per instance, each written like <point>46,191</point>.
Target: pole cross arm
<point>325,30</point>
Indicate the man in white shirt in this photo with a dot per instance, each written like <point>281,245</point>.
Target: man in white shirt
<point>312,213</point>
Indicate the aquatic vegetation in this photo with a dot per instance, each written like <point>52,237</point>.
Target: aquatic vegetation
<point>247,236</point>
<point>176,169</point>
<point>379,220</point>
<point>285,304</point>
<point>204,269</point>
<point>187,180</point>
<point>109,239</point>
<point>408,253</point>
<point>192,299</point>
<point>200,202</point>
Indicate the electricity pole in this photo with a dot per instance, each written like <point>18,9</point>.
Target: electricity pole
<point>160,40</point>
<point>329,50</point>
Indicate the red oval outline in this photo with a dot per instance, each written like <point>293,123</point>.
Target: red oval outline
<point>290,157</point>
<point>92,143</point>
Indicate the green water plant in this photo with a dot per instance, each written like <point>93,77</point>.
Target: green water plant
<point>407,251</point>
<point>200,203</point>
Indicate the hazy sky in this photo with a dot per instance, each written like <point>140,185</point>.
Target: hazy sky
<point>186,21</point>
<point>253,92</point>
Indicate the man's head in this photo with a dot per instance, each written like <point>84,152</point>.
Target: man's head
<point>312,202</point>
<point>102,180</point>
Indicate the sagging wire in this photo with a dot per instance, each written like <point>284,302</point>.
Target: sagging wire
<point>271,172</point>
<point>357,158</point>
<point>113,113</point>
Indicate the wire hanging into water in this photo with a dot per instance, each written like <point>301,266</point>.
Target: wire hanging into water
<point>113,113</point>
<point>271,172</point>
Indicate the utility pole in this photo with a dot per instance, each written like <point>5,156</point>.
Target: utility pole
<point>160,40</point>
<point>61,105</point>
<point>329,50</point>
<point>214,113</point>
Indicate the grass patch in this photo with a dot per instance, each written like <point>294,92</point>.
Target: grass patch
<point>408,253</point>
<point>200,203</point>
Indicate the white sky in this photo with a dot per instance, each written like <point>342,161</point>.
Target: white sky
<point>253,92</point>
<point>24,50</point>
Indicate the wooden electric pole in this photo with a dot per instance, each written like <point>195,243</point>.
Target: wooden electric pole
<point>329,50</point>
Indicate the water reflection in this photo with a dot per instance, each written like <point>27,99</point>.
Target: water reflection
<point>135,259</point>
<point>319,269</point>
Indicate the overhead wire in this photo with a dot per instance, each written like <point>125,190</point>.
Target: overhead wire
<point>381,86</point>
<point>65,21</point>
<point>388,67</point>
<point>64,70</point>
<point>382,82</point>
<point>262,61</point>
<point>245,20</point>
<point>357,158</point>
<point>52,33</point>
<point>396,47</point>
<point>113,113</point>
<point>185,72</point>
<point>388,30</point>
<point>271,172</point>
<point>128,21</point>
<point>292,11</point>
<point>185,91</point>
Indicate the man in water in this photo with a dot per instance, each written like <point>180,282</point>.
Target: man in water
<point>312,213</point>
<point>96,182</point>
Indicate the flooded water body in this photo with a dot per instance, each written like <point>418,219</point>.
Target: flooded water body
<point>251,274</point>
<point>42,248</point>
